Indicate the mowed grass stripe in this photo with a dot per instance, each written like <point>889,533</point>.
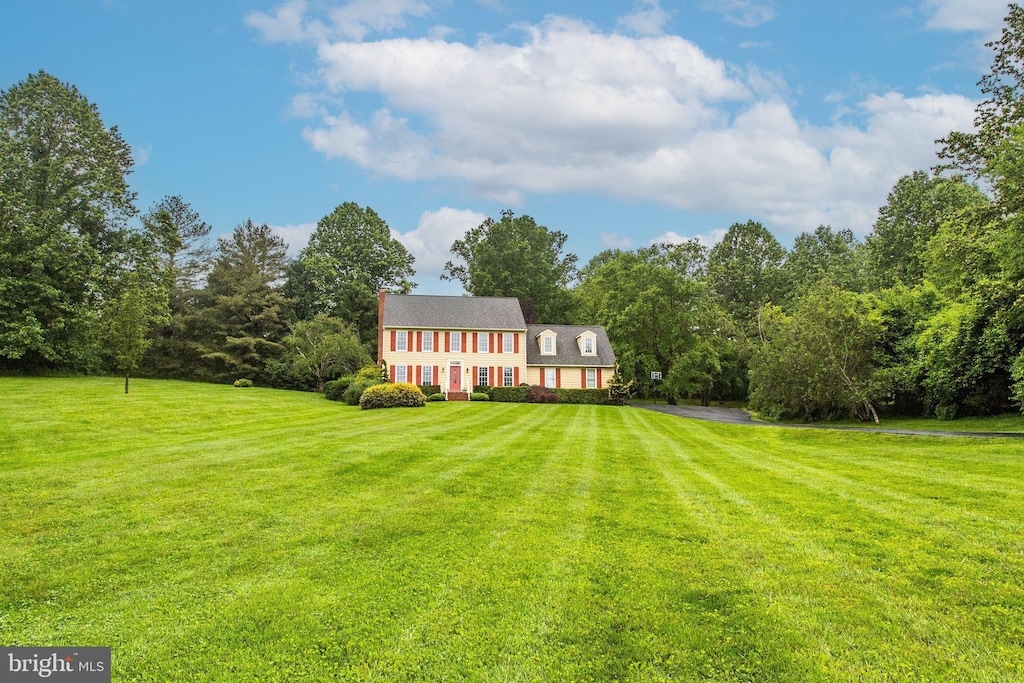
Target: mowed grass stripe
<point>896,572</point>
<point>495,542</point>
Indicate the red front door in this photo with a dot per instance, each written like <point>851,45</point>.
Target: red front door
<point>455,378</point>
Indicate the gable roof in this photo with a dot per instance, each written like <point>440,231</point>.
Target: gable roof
<point>453,312</point>
<point>567,350</point>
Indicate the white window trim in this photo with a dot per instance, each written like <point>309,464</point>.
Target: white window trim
<point>511,378</point>
<point>481,342</point>
<point>547,338</point>
<point>508,343</point>
<point>402,341</point>
<point>593,346</point>
<point>428,370</point>
<point>428,341</point>
<point>401,373</point>
<point>550,380</point>
<point>591,377</point>
<point>486,372</point>
<point>455,338</point>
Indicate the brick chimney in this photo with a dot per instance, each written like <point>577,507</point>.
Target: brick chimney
<point>380,325</point>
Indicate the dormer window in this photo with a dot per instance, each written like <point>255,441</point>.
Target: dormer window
<point>548,344</point>
<point>588,343</point>
<point>588,346</point>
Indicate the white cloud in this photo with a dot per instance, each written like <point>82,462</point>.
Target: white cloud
<point>647,20</point>
<point>612,240</point>
<point>983,16</point>
<point>141,153</point>
<point>572,110</point>
<point>295,236</point>
<point>431,241</point>
<point>746,13</point>
<point>707,239</point>
<point>353,20</point>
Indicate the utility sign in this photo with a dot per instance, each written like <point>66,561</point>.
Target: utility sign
<point>655,375</point>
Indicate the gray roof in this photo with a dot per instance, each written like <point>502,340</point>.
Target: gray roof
<point>567,350</point>
<point>453,312</point>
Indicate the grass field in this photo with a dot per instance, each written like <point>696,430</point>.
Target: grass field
<point>219,534</point>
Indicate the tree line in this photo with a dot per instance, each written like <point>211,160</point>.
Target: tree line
<point>923,317</point>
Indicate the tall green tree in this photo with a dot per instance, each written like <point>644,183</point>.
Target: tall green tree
<point>242,323</point>
<point>825,255</point>
<point>324,348</point>
<point>516,257</point>
<point>915,209</point>
<point>350,257</point>
<point>745,271</point>
<point>64,200</point>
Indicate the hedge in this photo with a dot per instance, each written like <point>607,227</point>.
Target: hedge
<point>588,396</point>
<point>436,397</point>
<point>430,389</point>
<point>509,394</point>
<point>400,395</point>
<point>479,396</point>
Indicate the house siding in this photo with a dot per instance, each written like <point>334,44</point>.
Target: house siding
<point>470,360</point>
<point>568,377</point>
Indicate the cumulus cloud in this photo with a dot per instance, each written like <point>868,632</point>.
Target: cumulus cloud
<point>353,20</point>
<point>431,241</point>
<point>746,13</point>
<point>647,20</point>
<point>295,236</point>
<point>569,109</point>
<point>707,239</point>
<point>983,16</point>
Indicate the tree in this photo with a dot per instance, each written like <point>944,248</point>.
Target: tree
<point>516,257</point>
<point>820,362</point>
<point>917,206</point>
<point>324,348</point>
<point>350,257</point>
<point>63,202</point>
<point>128,317</point>
<point>825,254</point>
<point>745,270</point>
<point>242,327</point>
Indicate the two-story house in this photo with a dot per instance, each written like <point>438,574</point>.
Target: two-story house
<point>460,342</point>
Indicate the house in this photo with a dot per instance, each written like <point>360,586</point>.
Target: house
<point>460,342</point>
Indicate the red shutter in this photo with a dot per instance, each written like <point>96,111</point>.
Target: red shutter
<point>476,335</point>
<point>475,377</point>
<point>490,343</point>
<point>419,342</point>
<point>516,342</point>
<point>436,380</point>
<point>501,343</point>
<point>408,374</point>
<point>463,347</point>
<point>394,335</point>
<point>437,342</point>
<point>419,374</point>
<point>558,378</point>
<point>583,378</point>
<point>515,380</point>
<point>599,378</point>
<point>491,377</point>
<point>391,369</point>
<point>447,342</point>
<point>542,376</point>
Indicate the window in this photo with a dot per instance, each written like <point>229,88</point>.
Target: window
<point>428,373</point>
<point>508,344</point>
<point>482,377</point>
<point>456,342</point>
<point>548,345</point>
<point>588,346</point>
<point>402,341</point>
<point>550,378</point>
<point>428,342</point>
<point>591,378</point>
<point>481,343</point>
<point>401,374</point>
<point>506,377</point>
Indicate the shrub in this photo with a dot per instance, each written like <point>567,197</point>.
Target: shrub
<point>479,396</point>
<point>367,377</point>
<point>585,396</point>
<point>430,389</point>
<point>508,394</point>
<point>482,389</point>
<point>400,395</point>
<point>536,394</point>
<point>335,389</point>
<point>436,397</point>
<point>243,383</point>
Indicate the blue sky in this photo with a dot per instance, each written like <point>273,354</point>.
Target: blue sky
<point>618,123</point>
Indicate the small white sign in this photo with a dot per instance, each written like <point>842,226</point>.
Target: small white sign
<point>655,375</point>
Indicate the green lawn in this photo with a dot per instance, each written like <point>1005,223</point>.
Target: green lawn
<point>212,533</point>
<point>994,423</point>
